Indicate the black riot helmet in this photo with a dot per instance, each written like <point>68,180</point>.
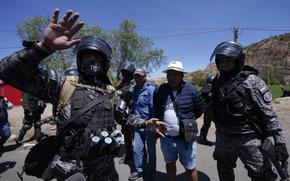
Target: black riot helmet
<point>229,49</point>
<point>72,71</point>
<point>95,44</point>
<point>127,70</point>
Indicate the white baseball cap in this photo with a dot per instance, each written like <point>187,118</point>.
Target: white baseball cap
<point>175,65</point>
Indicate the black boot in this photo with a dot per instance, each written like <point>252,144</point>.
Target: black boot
<point>37,134</point>
<point>19,140</point>
<point>1,150</point>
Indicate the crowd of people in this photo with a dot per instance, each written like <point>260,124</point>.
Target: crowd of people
<point>87,109</point>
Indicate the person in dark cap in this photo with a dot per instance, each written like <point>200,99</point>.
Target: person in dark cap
<point>143,107</point>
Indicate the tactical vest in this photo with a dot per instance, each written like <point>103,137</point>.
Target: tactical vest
<point>74,96</point>
<point>230,101</point>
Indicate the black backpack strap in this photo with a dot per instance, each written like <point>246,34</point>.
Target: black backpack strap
<point>173,100</point>
<point>174,104</point>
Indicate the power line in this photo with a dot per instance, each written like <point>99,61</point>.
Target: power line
<point>270,27</point>
<point>259,28</point>
<point>188,34</point>
<point>264,29</point>
<point>178,29</point>
<point>210,30</point>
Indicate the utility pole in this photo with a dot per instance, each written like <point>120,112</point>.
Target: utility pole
<point>268,73</point>
<point>236,33</point>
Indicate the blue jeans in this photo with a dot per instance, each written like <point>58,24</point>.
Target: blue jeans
<point>5,132</point>
<point>141,137</point>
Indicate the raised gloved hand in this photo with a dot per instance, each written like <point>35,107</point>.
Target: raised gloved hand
<point>281,152</point>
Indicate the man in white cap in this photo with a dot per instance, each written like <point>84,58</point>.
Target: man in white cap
<point>178,104</point>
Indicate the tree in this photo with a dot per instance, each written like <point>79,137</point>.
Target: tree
<point>129,46</point>
<point>198,78</point>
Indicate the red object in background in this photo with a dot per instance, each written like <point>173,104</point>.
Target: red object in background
<point>12,94</point>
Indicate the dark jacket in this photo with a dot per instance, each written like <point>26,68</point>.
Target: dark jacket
<point>189,101</point>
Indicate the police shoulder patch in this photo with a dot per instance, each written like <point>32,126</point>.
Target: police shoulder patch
<point>267,97</point>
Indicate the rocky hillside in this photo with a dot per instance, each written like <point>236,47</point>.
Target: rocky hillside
<point>269,55</point>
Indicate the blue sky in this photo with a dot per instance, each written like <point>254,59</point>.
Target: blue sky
<point>182,28</point>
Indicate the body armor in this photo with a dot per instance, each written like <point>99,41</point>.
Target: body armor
<point>79,137</point>
<point>99,117</point>
<point>231,105</point>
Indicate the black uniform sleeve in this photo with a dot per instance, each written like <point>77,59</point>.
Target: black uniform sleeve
<point>135,121</point>
<point>123,115</point>
<point>198,103</point>
<point>20,70</point>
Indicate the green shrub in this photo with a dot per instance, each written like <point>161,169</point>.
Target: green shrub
<point>276,90</point>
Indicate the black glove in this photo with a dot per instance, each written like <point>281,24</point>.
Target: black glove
<point>281,152</point>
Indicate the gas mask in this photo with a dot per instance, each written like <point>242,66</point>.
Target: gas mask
<point>92,67</point>
<point>91,64</point>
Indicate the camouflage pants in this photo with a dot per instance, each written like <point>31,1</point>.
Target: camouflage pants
<point>246,147</point>
<point>31,118</point>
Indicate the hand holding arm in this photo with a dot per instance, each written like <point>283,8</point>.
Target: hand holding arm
<point>58,36</point>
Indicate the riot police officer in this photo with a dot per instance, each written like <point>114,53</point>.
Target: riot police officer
<point>241,104</point>
<point>125,89</point>
<point>206,92</point>
<point>33,108</point>
<point>85,110</point>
